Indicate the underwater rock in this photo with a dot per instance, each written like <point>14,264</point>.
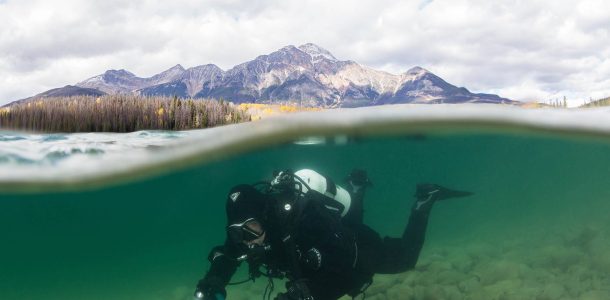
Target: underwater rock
<point>480,294</point>
<point>410,278</point>
<point>481,252</point>
<point>450,277</point>
<point>505,289</point>
<point>559,258</point>
<point>462,263</point>
<point>431,292</point>
<point>470,285</point>
<point>437,266</point>
<point>595,295</point>
<point>434,292</point>
<point>381,283</point>
<point>537,274</point>
<point>529,290</point>
<point>400,292</point>
<point>552,291</point>
<point>492,272</point>
<point>601,263</point>
<point>452,293</point>
<point>597,283</point>
<point>417,293</point>
<point>583,239</point>
<point>426,279</point>
<point>577,280</point>
<point>373,297</point>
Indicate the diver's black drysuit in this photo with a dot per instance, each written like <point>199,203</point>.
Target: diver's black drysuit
<point>331,255</point>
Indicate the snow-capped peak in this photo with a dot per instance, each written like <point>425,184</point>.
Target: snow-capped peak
<point>98,78</point>
<point>171,72</point>
<point>178,67</point>
<point>417,71</point>
<point>120,72</point>
<point>316,52</point>
<point>168,75</point>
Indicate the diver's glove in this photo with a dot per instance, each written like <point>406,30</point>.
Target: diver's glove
<point>296,290</point>
<point>199,295</point>
<point>283,180</point>
<point>255,257</point>
<point>358,179</point>
<point>210,288</point>
<point>256,253</point>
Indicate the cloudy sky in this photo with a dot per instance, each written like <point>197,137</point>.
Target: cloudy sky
<point>520,49</point>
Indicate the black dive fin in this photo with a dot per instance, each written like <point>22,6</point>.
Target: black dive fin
<point>437,192</point>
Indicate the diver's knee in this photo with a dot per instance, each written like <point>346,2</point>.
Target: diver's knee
<point>394,267</point>
<point>398,257</point>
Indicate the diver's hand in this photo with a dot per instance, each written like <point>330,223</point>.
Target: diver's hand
<point>296,290</point>
<point>256,253</point>
<point>200,295</point>
<point>359,178</point>
<point>209,288</point>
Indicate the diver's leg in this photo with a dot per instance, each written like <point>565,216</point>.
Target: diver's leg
<point>358,182</point>
<point>391,255</point>
<point>402,253</point>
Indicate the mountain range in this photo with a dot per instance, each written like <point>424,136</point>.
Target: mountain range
<point>308,75</point>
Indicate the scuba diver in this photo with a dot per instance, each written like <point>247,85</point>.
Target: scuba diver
<point>303,227</point>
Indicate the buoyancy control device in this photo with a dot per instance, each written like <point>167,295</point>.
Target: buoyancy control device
<point>336,198</point>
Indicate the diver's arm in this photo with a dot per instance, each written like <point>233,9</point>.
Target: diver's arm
<point>223,266</point>
<point>329,245</point>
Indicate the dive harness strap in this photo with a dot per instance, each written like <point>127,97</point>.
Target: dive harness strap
<point>291,213</point>
<point>290,220</point>
<point>331,188</point>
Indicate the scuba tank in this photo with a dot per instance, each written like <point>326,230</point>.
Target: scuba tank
<point>336,198</point>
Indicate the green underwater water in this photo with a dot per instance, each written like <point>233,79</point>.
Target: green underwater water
<point>536,198</point>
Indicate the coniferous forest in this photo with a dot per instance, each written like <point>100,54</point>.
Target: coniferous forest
<point>118,113</point>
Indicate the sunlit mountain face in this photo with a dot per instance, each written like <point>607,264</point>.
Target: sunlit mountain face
<point>307,75</point>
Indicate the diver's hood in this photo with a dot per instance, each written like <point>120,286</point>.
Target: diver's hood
<point>244,202</point>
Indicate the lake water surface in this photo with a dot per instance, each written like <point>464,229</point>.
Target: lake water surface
<point>536,228</point>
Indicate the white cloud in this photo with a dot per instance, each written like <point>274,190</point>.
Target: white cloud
<point>520,49</point>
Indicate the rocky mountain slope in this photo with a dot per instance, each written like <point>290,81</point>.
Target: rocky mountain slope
<point>308,75</point>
